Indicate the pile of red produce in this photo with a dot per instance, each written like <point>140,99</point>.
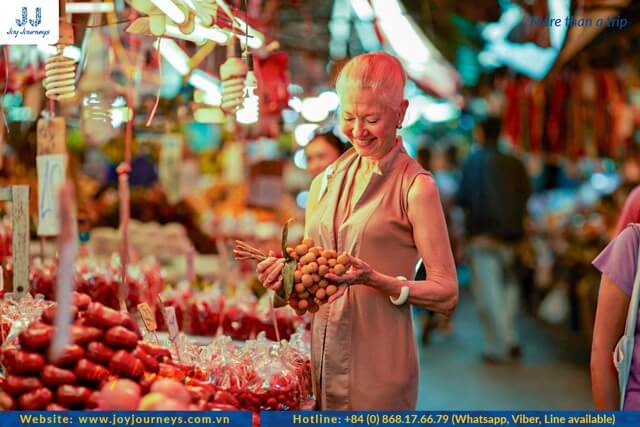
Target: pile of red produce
<point>241,318</point>
<point>105,344</point>
<point>100,283</point>
<point>262,375</point>
<point>108,366</point>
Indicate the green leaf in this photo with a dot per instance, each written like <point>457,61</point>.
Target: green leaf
<point>285,237</point>
<point>288,277</point>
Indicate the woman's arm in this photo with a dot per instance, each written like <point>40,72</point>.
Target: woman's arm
<point>611,315</point>
<point>439,292</point>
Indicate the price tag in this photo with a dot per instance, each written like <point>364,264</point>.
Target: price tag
<point>169,173</point>
<point>147,317</point>
<point>169,314</point>
<point>51,175</point>
<point>51,136</point>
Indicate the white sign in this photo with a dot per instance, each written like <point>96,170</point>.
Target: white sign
<point>51,174</point>
<point>29,22</point>
<point>170,319</point>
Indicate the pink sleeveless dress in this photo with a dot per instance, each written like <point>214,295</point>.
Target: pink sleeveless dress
<point>363,347</point>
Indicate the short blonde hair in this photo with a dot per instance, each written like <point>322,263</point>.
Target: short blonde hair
<point>377,71</point>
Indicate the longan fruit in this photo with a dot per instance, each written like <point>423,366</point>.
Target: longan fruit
<point>329,253</point>
<point>300,312</point>
<point>311,256</point>
<point>339,269</point>
<point>307,280</point>
<point>321,294</point>
<point>303,298</point>
<point>312,267</point>
<point>323,269</point>
<point>306,269</point>
<point>323,283</point>
<point>331,289</point>
<point>304,260</point>
<point>302,249</point>
<point>297,276</point>
<point>300,288</point>
<point>332,262</point>
<point>316,277</point>
<point>308,242</point>
<point>321,260</point>
<point>343,259</point>
<point>313,289</point>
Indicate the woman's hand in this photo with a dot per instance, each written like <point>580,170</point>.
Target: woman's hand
<point>270,272</point>
<point>359,272</point>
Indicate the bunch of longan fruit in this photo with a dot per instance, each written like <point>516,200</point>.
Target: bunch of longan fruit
<point>311,289</point>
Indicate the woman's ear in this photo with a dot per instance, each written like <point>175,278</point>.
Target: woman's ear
<point>403,111</point>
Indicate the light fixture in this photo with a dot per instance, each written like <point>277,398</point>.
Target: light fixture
<point>314,110</point>
<point>363,10</point>
<point>304,132</point>
<point>296,104</point>
<point>208,86</point>
<point>72,52</point>
<point>254,39</point>
<point>89,7</point>
<point>299,159</point>
<point>330,100</point>
<point>301,199</point>
<point>170,9</point>
<point>174,55</point>
<point>249,113</point>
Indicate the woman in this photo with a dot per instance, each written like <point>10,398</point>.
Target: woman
<point>617,263</point>
<point>321,151</point>
<point>379,206</point>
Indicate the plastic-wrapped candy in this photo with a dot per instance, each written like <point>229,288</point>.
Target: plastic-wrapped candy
<point>239,320</point>
<point>226,370</point>
<point>17,314</point>
<point>275,384</point>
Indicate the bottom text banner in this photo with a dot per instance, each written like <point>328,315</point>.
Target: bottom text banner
<point>449,418</point>
<point>126,418</point>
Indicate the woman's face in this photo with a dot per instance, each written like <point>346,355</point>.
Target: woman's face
<point>369,122</point>
<point>320,154</point>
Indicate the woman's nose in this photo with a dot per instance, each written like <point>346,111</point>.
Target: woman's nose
<point>359,129</point>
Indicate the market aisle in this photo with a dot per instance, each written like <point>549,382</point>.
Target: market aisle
<point>553,373</point>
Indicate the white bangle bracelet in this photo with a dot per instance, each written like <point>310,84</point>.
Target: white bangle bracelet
<point>404,294</point>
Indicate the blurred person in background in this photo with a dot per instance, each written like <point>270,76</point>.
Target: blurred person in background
<point>493,192</point>
<point>322,150</point>
<point>618,264</point>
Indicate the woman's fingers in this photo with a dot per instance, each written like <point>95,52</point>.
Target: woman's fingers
<point>264,265</point>
<point>274,272</point>
<point>277,285</point>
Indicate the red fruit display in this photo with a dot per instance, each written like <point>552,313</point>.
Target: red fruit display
<point>53,376</point>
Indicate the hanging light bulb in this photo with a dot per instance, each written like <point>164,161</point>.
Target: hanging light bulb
<point>97,118</point>
<point>250,111</point>
<point>60,71</point>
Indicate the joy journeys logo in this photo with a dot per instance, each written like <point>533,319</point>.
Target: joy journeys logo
<point>29,22</point>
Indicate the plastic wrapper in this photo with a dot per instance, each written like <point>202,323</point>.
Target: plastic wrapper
<point>273,383</point>
<point>16,315</point>
<point>240,320</point>
<point>100,282</point>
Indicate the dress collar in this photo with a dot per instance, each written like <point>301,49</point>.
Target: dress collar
<point>379,167</point>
